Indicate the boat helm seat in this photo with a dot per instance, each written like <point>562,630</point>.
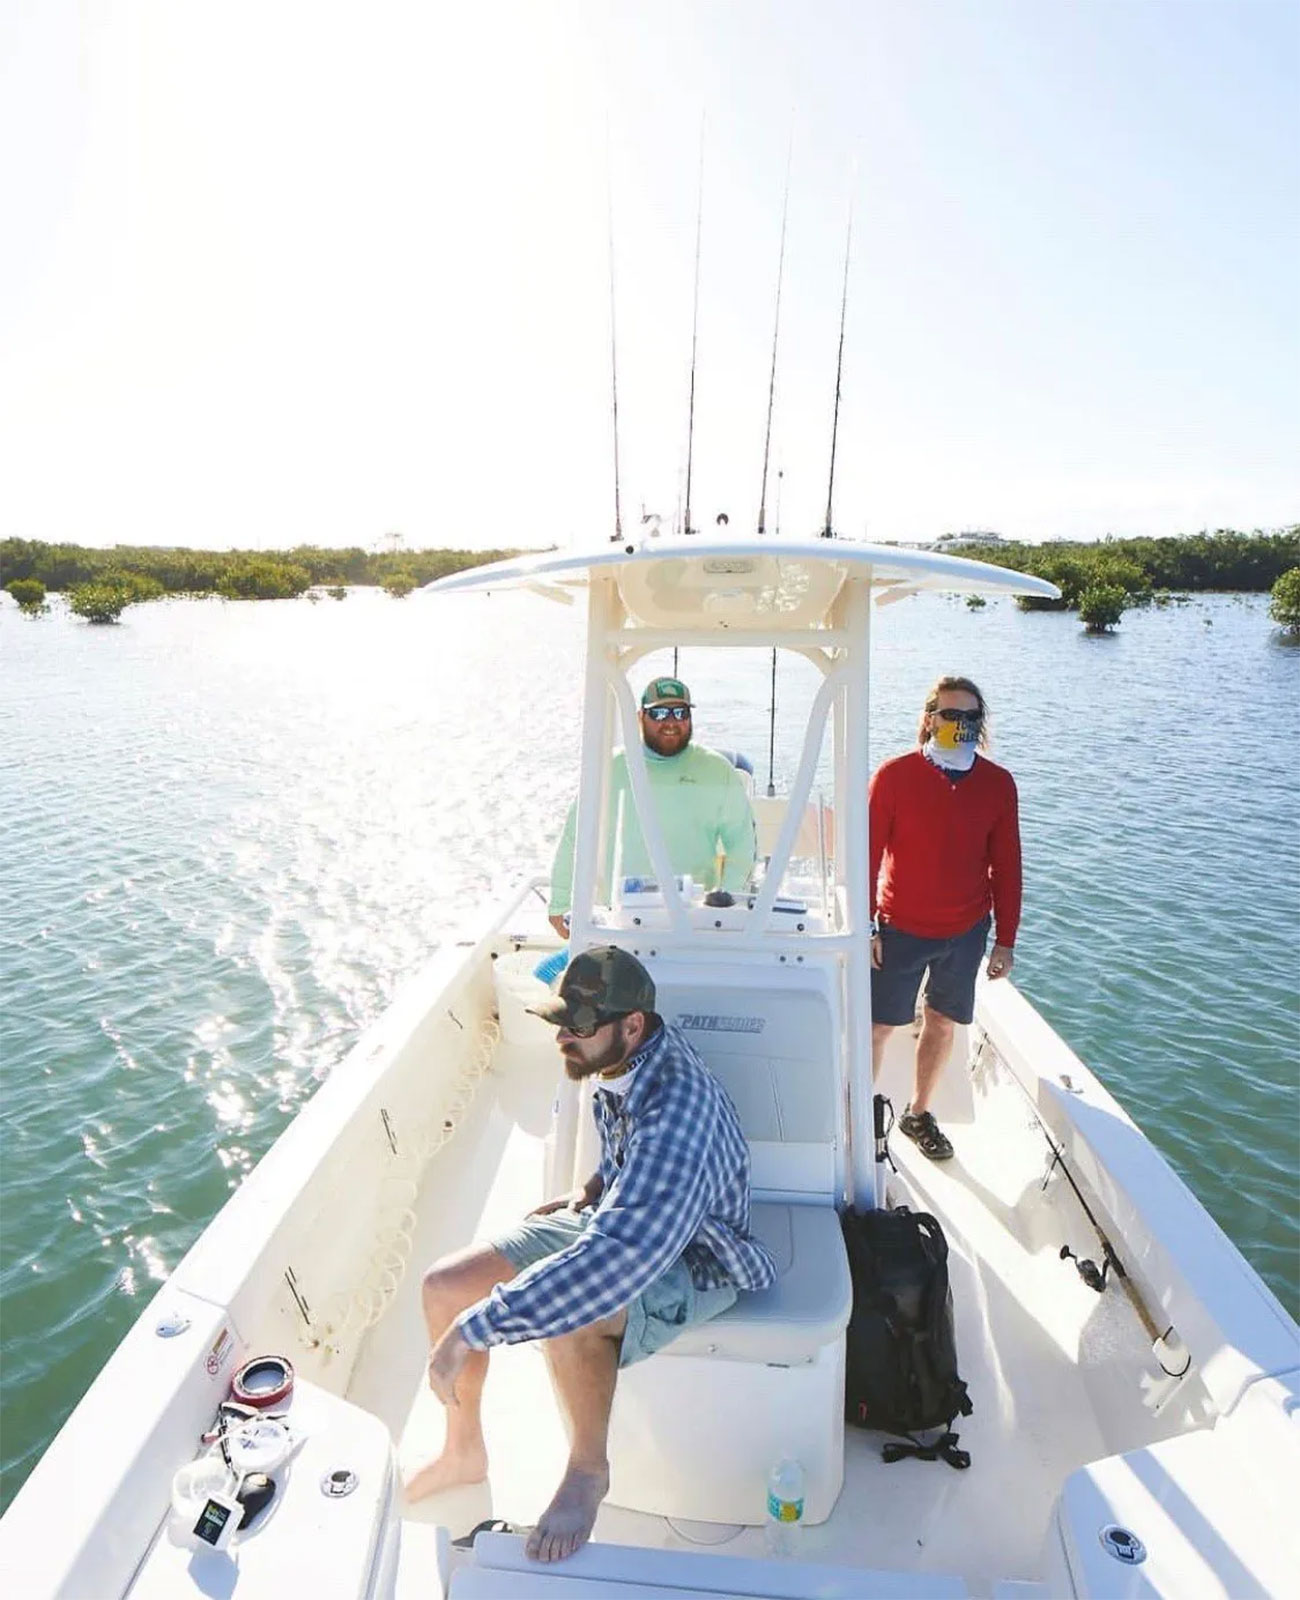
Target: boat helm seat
<point>806,1308</point>
<point>695,1429</point>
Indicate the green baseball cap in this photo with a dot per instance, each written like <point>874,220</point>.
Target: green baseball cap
<point>665,692</point>
<point>599,984</point>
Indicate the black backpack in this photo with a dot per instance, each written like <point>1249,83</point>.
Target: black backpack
<point>901,1367</point>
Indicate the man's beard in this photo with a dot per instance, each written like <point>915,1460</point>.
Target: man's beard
<point>669,746</point>
<point>578,1068</point>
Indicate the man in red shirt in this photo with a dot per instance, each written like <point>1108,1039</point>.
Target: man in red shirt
<point>945,827</point>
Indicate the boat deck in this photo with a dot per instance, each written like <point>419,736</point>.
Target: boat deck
<point>1025,1324</point>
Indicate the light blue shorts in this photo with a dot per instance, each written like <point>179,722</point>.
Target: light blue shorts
<point>655,1317</point>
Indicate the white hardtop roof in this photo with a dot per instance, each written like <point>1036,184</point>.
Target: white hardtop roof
<point>727,580</point>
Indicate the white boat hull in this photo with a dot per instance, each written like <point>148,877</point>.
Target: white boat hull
<point>446,1123</point>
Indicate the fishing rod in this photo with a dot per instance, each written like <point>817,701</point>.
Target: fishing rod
<point>1096,1278</point>
<point>839,369</point>
<point>695,331</point>
<point>617,535</point>
<point>771,387</point>
<point>767,445</point>
<point>771,734</point>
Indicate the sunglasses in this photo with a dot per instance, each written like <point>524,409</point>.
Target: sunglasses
<point>587,1022</point>
<point>949,715</point>
<point>662,713</point>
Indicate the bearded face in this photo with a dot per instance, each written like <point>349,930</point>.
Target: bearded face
<point>669,737</point>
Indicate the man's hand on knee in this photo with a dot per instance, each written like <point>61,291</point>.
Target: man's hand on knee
<point>446,1359</point>
<point>580,1200</point>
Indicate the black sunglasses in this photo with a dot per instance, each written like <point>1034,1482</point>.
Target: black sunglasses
<point>662,713</point>
<point>587,1021</point>
<point>949,715</point>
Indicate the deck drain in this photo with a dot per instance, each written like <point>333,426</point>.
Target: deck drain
<point>1124,1546</point>
<point>338,1483</point>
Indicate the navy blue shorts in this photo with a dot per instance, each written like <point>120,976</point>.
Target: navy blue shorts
<point>954,964</point>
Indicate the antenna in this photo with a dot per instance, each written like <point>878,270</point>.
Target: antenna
<point>617,535</point>
<point>839,368</point>
<point>695,329</point>
<point>771,387</point>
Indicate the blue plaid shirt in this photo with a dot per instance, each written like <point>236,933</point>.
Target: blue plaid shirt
<point>675,1167</point>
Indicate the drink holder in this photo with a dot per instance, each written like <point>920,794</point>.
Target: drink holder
<point>263,1382</point>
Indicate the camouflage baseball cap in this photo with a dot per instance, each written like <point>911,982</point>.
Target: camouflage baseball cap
<point>665,692</point>
<point>597,985</point>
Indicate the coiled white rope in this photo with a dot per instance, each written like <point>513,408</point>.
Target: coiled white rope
<point>345,1317</point>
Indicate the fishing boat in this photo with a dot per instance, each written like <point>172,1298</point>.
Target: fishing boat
<point>1135,1383</point>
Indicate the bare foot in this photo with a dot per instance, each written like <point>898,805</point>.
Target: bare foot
<point>451,1470</point>
<point>567,1522</point>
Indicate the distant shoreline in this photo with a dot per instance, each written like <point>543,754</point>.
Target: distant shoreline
<point>1224,561</point>
<point>237,574</point>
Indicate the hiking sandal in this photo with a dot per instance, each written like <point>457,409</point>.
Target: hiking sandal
<point>924,1131</point>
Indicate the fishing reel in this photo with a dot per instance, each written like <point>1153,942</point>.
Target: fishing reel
<point>1092,1275</point>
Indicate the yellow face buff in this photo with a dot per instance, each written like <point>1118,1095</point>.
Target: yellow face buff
<point>950,730</point>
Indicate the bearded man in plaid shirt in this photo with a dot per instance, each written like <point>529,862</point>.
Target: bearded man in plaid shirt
<point>656,1240</point>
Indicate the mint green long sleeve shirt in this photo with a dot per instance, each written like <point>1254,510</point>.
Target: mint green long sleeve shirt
<point>702,807</point>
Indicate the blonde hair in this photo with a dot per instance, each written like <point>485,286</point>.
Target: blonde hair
<point>965,686</point>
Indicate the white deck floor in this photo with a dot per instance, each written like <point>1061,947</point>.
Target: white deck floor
<point>1033,1420</point>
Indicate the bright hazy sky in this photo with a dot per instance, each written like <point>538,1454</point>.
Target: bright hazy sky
<point>318,272</point>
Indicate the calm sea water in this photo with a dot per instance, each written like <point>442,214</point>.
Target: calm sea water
<point>230,831</point>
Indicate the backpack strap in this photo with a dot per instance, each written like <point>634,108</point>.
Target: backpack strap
<point>944,1448</point>
<point>933,1241</point>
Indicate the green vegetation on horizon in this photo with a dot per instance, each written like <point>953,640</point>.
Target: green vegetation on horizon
<point>236,574</point>
<point>1223,560</point>
<point>1284,606</point>
<point>1101,605</point>
<point>1138,570</point>
<point>28,592</point>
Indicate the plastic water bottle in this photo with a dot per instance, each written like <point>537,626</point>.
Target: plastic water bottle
<point>784,1508</point>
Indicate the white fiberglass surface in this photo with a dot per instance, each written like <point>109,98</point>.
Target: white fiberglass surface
<point>671,577</point>
<point>1022,1325</point>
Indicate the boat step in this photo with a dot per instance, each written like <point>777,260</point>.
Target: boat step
<point>501,1571</point>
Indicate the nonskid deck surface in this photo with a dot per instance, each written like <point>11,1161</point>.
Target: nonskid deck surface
<point>1020,1318</point>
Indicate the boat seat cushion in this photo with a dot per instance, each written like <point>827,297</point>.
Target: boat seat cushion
<point>806,1308</point>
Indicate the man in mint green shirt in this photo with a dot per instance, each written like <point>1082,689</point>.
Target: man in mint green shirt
<point>699,798</point>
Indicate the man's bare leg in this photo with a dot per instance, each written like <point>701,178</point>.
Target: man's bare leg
<point>584,1369</point>
<point>932,1051</point>
<point>450,1286</point>
<point>880,1032</point>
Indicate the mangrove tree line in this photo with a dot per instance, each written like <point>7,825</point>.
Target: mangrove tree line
<point>236,574</point>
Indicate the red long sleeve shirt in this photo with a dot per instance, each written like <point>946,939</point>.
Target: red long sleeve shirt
<point>950,851</point>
